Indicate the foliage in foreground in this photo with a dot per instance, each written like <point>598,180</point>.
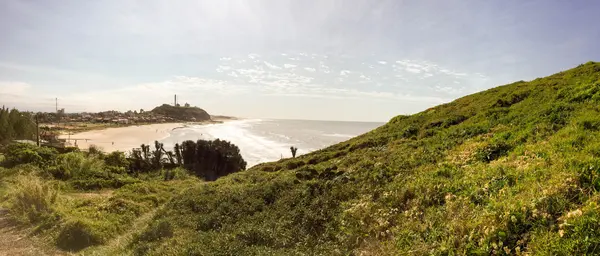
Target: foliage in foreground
<point>510,170</point>
<point>83,200</point>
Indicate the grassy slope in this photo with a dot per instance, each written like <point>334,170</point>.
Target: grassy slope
<point>511,169</point>
<point>100,221</point>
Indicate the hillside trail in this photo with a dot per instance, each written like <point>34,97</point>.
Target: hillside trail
<point>14,240</point>
<point>117,245</point>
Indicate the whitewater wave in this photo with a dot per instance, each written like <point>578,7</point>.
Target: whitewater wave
<point>339,135</point>
<point>263,140</point>
<point>254,149</point>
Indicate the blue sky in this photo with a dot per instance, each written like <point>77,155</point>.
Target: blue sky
<point>322,59</point>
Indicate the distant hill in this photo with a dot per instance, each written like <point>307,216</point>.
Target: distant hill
<point>182,113</point>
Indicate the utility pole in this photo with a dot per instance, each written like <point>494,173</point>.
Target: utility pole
<point>37,130</point>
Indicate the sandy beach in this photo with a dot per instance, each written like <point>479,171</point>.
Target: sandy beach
<point>122,138</point>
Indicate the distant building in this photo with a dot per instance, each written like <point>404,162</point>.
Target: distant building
<point>26,142</point>
<point>121,121</point>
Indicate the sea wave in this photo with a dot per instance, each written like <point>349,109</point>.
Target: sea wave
<point>339,135</point>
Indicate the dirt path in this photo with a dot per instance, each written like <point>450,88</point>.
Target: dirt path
<point>14,240</point>
<point>117,245</point>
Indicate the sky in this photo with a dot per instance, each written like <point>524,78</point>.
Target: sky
<point>359,60</point>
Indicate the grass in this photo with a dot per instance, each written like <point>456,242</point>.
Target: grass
<point>74,219</point>
<point>31,199</point>
<point>510,170</point>
<point>513,170</point>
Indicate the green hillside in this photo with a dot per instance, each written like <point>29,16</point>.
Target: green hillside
<point>509,170</point>
<point>182,113</point>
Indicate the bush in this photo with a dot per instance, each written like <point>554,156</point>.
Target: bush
<point>212,159</point>
<point>492,151</point>
<point>76,235</point>
<point>116,162</point>
<point>31,199</point>
<point>76,165</point>
<point>21,153</point>
<point>177,173</point>
<point>94,150</point>
<point>156,231</point>
<point>293,164</point>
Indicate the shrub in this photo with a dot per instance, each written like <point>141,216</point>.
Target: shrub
<point>212,159</point>
<point>293,164</point>
<point>95,150</point>
<point>76,235</point>
<point>177,173</point>
<point>75,164</point>
<point>31,199</point>
<point>116,159</point>
<point>21,153</point>
<point>492,151</point>
<point>410,132</point>
<point>156,231</point>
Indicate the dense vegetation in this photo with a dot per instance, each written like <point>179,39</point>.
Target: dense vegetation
<point>182,113</point>
<point>510,170</point>
<point>16,125</point>
<point>80,199</point>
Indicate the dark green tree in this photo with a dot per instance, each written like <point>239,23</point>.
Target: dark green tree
<point>212,159</point>
<point>294,150</point>
<point>177,149</point>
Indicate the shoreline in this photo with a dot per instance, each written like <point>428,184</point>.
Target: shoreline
<point>122,139</point>
<point>126,138</point>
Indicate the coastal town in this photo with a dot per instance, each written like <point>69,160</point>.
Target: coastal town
<point>56,128</point>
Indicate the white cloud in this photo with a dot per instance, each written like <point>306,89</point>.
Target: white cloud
<point>271,66</point>
<point>253,56</point>
<point>289,65</point>
<point>344,72</point>
<point>413,70</point>
<point>14,88</point>
<point>222,69</point>
<point>224,59</point>
<point>452,73</point>
<point>449,89</point>
<point>310,69</point>
<point>324,67</point>
<point>382,62</point>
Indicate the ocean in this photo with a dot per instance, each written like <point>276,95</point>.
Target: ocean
<point>265,140</point>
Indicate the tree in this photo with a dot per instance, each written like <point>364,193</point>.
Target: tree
<point>212,159</point>
<point>294,150</point>
<point>178,156</point>
<point>157,155</point>
<point>5,127</point>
